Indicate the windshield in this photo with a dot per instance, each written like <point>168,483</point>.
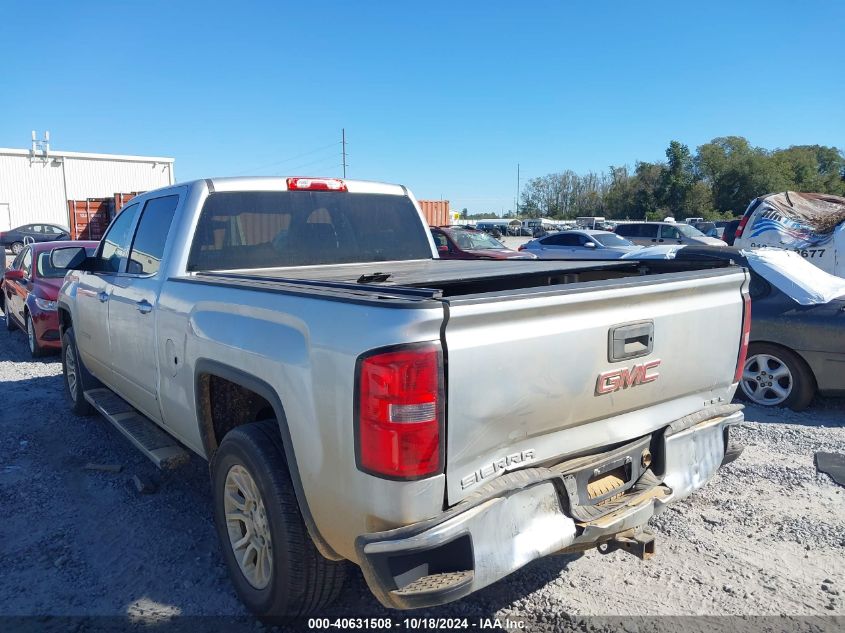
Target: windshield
<point>688,231</point>
<point>610,239</point>
<point>267,229</point>
<point>474,241</point>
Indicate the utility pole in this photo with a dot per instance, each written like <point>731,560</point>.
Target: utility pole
<point>517,190</point>
<point>343,150</point>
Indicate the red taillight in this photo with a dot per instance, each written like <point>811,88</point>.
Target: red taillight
<point>400,412</point>
<point>741,227</point>
<point>316,184</point>
<point>746,335</point>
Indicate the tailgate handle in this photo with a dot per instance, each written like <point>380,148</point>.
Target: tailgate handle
<point>631,340</point>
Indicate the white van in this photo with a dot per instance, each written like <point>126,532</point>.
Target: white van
<point>811,224</point>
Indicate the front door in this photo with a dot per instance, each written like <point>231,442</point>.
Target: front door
<point>132,315</point>
<point>93,293</point>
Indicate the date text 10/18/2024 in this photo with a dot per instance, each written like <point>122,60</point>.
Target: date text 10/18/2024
<point>416,623</point>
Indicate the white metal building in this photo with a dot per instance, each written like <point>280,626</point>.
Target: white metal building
<point>35,184</point>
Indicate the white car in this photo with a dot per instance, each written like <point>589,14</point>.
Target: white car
<point>580,244</point>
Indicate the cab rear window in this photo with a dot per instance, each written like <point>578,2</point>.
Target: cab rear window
<point>261,229</point>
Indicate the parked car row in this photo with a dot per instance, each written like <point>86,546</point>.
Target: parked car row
<point>16,239</point>
<point>29,288</point>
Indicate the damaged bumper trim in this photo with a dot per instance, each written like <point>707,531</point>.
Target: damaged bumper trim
<point>523,516</point>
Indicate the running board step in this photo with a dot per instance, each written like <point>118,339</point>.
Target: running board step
<point>146,435</point>
<point>436,583</point>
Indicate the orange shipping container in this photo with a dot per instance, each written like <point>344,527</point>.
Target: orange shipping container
<point>90,218</point>
<point>436,212</point>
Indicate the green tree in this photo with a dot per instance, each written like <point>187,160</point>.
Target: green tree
<point>678,178</point>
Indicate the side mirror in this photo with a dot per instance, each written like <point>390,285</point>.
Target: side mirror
<point>443,248</point>
<point>68,258</point>
<point>590,244</point>
<point>15,274</point>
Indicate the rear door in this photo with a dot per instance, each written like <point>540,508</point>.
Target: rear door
<point>535,376</point>
<point>132,322</point>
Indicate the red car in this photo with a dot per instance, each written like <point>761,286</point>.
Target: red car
<point>30,287</point>
<point>455,243</point>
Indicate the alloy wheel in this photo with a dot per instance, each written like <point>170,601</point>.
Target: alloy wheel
<point>30,334</point>
<point>766,380</point>
<point>247,526</point>
<point>70,371</point>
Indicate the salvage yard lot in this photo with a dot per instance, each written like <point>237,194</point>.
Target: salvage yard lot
<point>766,536</point>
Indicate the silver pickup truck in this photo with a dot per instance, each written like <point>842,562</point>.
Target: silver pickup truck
<point>439,423</point>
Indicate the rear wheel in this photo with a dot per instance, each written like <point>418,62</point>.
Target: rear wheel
<point>34,348</point>
<point>73,372</point>
<point>774,376</point>
<point>17,247</point>
<point>273,563</point>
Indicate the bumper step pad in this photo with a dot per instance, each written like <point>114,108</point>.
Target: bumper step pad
<point>436,583</point>
<point>145,434</point>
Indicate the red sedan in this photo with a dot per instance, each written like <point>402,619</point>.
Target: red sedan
<point>455,243</point>
<point>30,287</point>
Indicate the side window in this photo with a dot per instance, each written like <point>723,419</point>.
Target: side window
<point>669,232</point>
<point>115,243</point>
<point>53,230</point>
<point>439,239</point>
<point>570,240</point>
<point>37,228</point>
<point>26,262</point>
<point>553,240</point>
<point>151,235</point>
<point>16,264</point>
<point>583,239</point>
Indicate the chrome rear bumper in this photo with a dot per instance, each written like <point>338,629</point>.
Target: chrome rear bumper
<point>523,516</point>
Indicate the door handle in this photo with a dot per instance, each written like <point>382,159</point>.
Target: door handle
<point>144,306</point>
<point>660,240</point>
<point>103,297</point>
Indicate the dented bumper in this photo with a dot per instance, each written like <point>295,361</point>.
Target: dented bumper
<point>524,515</point>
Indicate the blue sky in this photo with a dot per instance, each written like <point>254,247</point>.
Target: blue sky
<point>445,97</point>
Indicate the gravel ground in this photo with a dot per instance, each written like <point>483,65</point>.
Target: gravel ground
<point>765,537</point>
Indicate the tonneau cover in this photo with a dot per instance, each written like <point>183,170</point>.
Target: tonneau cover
<point>423,271</point>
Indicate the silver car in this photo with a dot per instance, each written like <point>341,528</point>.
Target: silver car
<point>655,233</point>
<point>581,244</point>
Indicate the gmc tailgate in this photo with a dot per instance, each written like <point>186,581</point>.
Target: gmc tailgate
<point>555,372</point>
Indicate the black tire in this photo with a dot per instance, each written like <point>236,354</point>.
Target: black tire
<point>301,580</point>
<point>32,340</point>
<point>17,247</point>
<point>74,392</point>
<point>801,384</point>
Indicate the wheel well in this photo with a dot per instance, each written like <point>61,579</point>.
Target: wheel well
<point>64,321</point>
<point>224,405</point>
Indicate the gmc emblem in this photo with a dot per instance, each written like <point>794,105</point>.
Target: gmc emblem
<point>611,381</point>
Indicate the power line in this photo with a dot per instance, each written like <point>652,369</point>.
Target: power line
<point>343,152</point>
<point>314,162</point>
<point>286,160</point>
